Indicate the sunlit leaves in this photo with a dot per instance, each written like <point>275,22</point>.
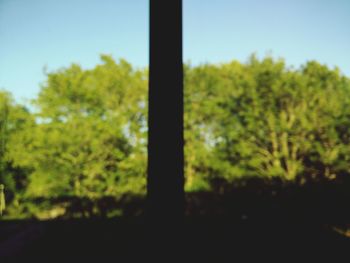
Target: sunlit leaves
<point>265,119</point>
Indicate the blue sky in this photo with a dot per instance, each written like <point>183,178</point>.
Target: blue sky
<point>56,33</point>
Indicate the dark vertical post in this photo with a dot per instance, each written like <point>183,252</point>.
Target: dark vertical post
<point>165,121</point>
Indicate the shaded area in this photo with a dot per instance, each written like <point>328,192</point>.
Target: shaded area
<point>250,218</point>
<point>105,207</point>
<point>198,238</point>
<point>320,202</point>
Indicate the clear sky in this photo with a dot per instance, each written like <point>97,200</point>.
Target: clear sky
<point>56,33</point>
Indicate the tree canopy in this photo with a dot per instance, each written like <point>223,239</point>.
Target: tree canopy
<point>87,138</point>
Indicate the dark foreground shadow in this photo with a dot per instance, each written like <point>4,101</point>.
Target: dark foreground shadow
<point>250,219</point>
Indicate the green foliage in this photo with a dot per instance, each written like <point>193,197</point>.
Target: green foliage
<point>264,119</point>
<point>86,142</point>
<point>13,119</point>
<point>89,137</point>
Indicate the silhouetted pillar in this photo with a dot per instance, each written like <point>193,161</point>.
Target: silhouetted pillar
<point>165,122</point>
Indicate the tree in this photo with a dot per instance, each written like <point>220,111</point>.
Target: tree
<point>86,141</point>
<point>13,119</point>
<point>89,140</point>
<point>264,119</point>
